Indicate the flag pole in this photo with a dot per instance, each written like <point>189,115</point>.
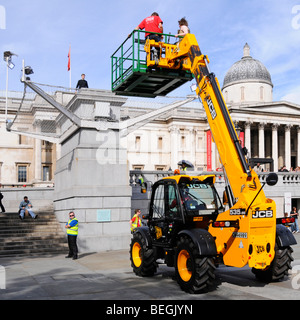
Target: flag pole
<point>69,68</point>
<point>70,80</point>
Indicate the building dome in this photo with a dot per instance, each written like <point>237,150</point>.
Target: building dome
<point>247,70</point>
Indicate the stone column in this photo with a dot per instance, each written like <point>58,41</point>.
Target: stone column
<point>38,153</point>
<point>261,140</point>
<point>213,156</point>
<point>248,137</point>
<point>298,146</point>
<point>287,144</point>
<point>275,146</point>
<point>174,147</point>
<point>193,146</point>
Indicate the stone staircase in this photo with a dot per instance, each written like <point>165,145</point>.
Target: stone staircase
<point>30,237</point>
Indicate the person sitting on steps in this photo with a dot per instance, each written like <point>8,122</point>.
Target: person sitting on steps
<point>26,206</point>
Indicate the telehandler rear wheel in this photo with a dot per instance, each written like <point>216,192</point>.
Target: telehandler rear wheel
<point>279,266</point>
<point>142,258</point>
<point>194,273</point>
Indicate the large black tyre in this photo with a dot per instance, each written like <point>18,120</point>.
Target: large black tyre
<point>194,273</point>
<point>142,258</point>
<point>279,267</point>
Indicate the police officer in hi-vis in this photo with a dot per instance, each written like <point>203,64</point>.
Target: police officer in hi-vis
<point>72,232</point>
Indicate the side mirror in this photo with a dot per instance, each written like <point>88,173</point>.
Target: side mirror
<point>272,179</point>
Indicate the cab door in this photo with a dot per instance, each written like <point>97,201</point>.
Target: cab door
<point>165,210</point>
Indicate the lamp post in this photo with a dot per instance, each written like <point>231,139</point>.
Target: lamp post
<point>7,57</point>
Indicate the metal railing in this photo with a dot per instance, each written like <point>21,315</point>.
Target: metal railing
<point>287,179</point>
<point>130,57</point>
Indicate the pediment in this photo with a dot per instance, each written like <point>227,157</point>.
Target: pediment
<point>280,107</point>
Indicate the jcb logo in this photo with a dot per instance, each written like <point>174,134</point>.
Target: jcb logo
<point>260,249</point>
<point>211,108</point>
<point>263,214</point>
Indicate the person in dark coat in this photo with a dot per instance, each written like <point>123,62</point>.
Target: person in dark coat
<point>82,83</point>
<point>1,197</point>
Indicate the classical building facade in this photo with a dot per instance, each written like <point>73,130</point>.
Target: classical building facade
<point>269,129</point>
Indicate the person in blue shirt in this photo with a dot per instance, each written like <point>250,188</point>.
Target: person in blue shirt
<point>26,205</point>
<point>72,232</point>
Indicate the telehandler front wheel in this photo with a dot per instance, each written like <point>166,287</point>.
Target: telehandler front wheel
<point>279,266</point>
<point>142,258</point>
<point>194,273</point>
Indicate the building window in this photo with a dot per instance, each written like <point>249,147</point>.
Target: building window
<point>261,90</point>
<point>182,142</point>
<point>160,168</point>
<point>23,139</point>
<point>138,167</point>
<point>22,173</point>
<point>46,173</point>
<point>160,143</point>
<point>242,93</point>
<point>137,143</point>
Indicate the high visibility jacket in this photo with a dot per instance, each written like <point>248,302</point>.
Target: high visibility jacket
<point>136,222</point>
<point>73,231</point>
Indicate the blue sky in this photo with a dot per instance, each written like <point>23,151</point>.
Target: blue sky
<point>40,32</point>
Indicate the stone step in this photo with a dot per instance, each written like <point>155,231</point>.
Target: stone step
<point>14,230</point>
<point>27,224</point>
<point>43,235</point>
<point>22,235</point>
<point>16,216</point>
<point>15,241</point>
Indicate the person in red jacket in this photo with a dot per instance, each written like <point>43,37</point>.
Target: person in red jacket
<point>152,24</point>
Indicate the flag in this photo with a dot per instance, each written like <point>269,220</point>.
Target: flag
<point>69,59</point>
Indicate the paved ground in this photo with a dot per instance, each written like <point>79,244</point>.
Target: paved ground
<point>108,276</point>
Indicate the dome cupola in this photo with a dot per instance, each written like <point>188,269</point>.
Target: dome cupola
<point>248,74</point>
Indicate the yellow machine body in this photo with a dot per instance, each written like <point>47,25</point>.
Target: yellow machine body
<point>253,242</point>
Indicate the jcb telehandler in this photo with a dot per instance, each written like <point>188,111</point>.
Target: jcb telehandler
<point>188,226</point>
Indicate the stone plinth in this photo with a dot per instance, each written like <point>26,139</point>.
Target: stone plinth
<point>92,178</point>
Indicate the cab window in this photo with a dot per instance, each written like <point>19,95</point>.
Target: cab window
<point>158,205</point>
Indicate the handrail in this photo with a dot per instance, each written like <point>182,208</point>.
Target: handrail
<point>129,58</point>
<point>143,31</point>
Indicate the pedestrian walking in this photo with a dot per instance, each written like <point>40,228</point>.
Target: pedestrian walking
<point>294,214</point>
<point>1,197</point>
<point>136,221</point>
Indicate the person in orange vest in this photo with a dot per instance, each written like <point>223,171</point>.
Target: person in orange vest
<point>136,221</point>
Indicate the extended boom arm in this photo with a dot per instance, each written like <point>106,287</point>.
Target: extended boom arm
<point>186,55</point>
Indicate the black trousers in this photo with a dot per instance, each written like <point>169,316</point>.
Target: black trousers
<point>1,206</point>
<point>72,242</point>
<point>154,37</point>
